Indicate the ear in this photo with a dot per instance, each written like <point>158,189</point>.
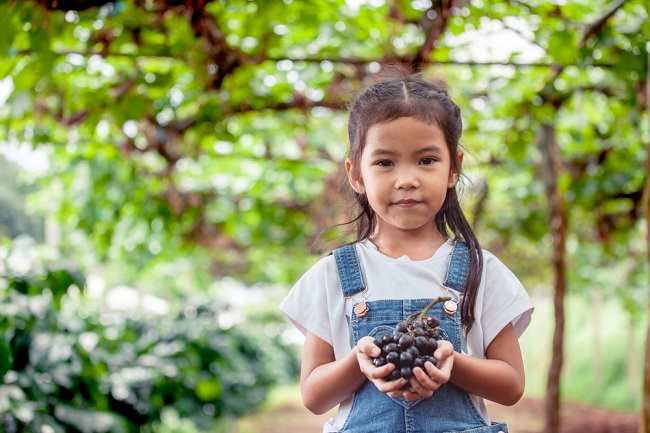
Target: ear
<point>354,178</point>
<point>454,174</point>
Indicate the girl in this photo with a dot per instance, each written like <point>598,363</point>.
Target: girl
<point>403,165</point>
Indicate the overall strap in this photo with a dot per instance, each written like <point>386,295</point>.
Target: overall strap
<point>458,267</point>
<point>349,270</point>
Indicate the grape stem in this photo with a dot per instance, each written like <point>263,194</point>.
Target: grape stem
<point>426,309</point>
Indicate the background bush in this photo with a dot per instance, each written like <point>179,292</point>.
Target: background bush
<point>70,368</point>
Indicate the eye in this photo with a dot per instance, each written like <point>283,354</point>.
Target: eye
<point>382,162</point>
<point>430,160</point>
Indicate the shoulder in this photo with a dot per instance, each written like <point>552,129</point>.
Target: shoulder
<point>502,299</point>
<point>313,288</point>
<point>311,300</point>
<point>499,284</point>
<point>323,268</point>
<point>494,268</point>
<point>344,252</point>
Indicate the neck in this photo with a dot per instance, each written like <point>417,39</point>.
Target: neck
<point>417,244</point>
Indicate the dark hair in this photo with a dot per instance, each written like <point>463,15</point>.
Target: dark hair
<point>409,95</point>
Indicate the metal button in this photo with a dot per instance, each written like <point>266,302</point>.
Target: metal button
<point>361,310</point>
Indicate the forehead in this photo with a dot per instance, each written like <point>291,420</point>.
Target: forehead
<point>404,134</point>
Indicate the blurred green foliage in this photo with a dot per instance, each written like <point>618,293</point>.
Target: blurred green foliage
<point>604,353</point>
<point>15,219</point>
<point>80,369</point>
<point>210,136</point>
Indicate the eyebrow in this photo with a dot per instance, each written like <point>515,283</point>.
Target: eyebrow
<point>433,149</point>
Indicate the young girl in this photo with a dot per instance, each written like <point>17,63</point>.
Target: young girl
<point>403,166</point>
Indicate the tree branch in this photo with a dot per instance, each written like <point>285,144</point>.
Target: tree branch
<point>434,23</point>
<point>73,5</point>
<point>338,60</point>
<point>226,58</point>
<point>587,34</point>
<point>595,27</point>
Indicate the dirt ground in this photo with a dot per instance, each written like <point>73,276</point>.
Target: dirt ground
<point>524,417</point>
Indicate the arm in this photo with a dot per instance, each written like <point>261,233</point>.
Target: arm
<point>325,382</point>
<point>500,377</point>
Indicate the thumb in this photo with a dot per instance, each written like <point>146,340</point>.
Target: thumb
<point>445,348</point>
<point>367,346</point>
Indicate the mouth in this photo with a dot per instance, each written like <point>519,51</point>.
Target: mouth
<point>407,203</point>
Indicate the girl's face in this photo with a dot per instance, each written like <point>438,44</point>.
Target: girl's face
<point>404,159</point>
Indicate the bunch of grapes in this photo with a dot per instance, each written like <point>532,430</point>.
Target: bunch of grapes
<point>413,343</point>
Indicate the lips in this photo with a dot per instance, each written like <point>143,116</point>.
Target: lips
<point>407,202</point>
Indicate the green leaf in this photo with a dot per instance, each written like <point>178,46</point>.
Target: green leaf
<point>6,358</point>
<point>208,389</point>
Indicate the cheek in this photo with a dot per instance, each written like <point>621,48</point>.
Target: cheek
<point>379,185</point>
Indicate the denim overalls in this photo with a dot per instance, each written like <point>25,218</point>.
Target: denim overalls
<point>450,408</point>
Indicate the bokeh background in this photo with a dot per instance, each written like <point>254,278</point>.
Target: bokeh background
<point>168,169</point>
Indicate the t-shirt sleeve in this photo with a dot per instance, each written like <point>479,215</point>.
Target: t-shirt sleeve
<point>504,301</point>
<point>306,304</point>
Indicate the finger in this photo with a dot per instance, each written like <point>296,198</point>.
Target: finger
<point>425,380</point>
<point>395,394</point>
<point>367,346</point>
<point>445,368</point>
<point>444,350</point>
<point>380,372</point>
<point>437,375</point>
<point>410,396</point>
<point>365,339</point>
<point>365,363</point>
<point>416,386</point>
<point>393,385</point>
<point>419,389</point>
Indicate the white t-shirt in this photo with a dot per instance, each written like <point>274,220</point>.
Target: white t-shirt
<point>316,302</point>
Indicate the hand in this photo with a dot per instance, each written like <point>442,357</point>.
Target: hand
<point>423,384</point>
<point>366,349</point>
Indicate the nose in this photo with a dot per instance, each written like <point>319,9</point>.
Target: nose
<point>406,179</point>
